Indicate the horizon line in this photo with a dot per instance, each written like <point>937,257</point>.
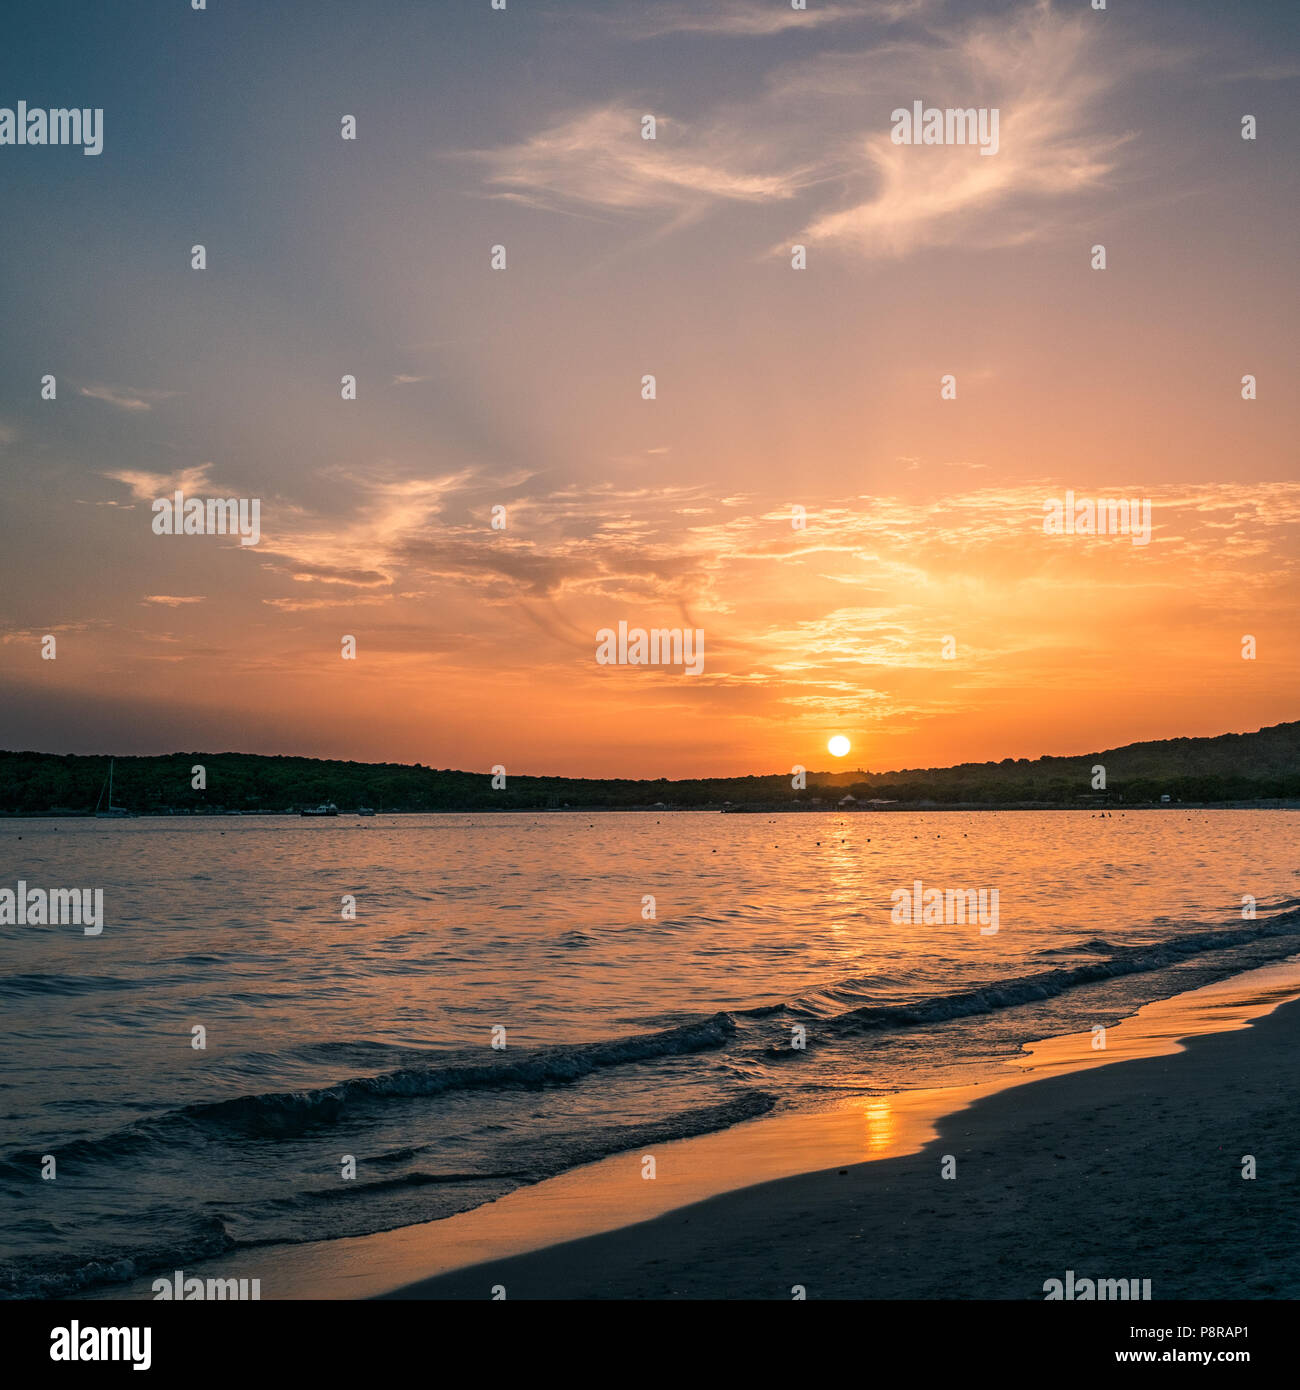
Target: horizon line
<point>716,777</point>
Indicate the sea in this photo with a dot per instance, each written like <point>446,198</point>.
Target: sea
<point>295,1030</point>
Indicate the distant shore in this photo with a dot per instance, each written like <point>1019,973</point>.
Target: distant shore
<point>1278,803</point>
<point>1237,770</point>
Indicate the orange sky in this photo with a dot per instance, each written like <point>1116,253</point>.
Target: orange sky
<point>776,389</point>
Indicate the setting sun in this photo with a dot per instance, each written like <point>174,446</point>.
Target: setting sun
<point>839,745</point>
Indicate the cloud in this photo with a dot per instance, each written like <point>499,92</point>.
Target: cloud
<point>145,487</point>
<point>754,18</point>
<point>572,556</point>
<point>360,549</point>
<point>598,159</point>
<point>1046,75</point>
<point>843,621</point>
<point>126,397</point>
<point>35,635</point>
<point>817,130</point>
<point>310,605</point>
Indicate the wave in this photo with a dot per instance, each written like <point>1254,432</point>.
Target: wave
<point>352,1191</point>
<point>283,1114</point>
<point>1008,993</point>
<point>72,1277</point>
<point>277,1113</point>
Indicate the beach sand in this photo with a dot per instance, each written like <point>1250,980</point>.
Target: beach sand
<point>1122,1163</point>
<point>1128,1170</point>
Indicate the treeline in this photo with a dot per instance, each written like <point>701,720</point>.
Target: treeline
<point>1232,767</point>
<point>46,782</point>
<point>1135,791</point>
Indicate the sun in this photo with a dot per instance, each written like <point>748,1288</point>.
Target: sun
<point>839,745</point>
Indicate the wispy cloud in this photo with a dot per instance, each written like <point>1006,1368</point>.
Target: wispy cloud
<point>817,130</point>
<point>358,551</point>
<point>147,486</point>
<point>755,18</point>
<point>597,158</point>
<point>1046,75</point>
<point>126,397</point>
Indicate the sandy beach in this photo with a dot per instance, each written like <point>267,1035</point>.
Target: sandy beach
<point>1122,1163</point>
<point>1130,1170</point>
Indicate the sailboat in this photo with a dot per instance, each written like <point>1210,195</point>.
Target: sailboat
<point>112,810</point>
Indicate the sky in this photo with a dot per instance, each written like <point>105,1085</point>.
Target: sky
<point>920,608</point>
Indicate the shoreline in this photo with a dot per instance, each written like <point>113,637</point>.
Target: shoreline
<point>1128,1170</point>
<point>804,1198</point>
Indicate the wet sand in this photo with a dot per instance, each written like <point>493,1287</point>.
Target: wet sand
<point>1116,1163</point>
<point>1130,1170</point>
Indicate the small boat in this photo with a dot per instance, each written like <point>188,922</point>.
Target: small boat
<point>326,808</point>
<point>114,811</point>
<point>364,811</point>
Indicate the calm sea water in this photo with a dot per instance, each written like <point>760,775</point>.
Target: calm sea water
<point>372,1037</point>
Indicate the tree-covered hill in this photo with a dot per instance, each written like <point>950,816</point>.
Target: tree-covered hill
<point>1231,767</point>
